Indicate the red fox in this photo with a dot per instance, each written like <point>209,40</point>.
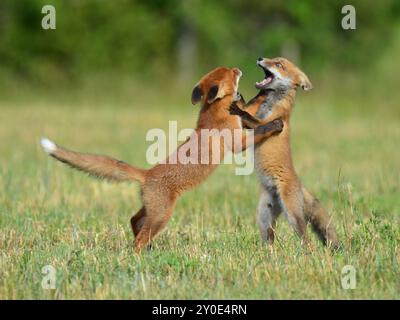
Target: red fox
<point>282,190</point>
<point>164,183</point>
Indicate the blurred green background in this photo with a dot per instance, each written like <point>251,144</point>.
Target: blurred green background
<point>124,48</point>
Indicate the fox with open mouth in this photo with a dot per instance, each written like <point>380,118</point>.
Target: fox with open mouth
<point>282,190</point>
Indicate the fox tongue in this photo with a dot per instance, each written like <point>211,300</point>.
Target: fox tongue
<point>264,82</point>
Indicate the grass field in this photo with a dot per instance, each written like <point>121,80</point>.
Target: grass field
<point>52,215</point>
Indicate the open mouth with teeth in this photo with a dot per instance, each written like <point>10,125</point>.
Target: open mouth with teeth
<point>268,78</point>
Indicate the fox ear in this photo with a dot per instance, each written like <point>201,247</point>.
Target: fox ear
<point>217,91</point>
<point>304,82</point>
<point>212,94</point>
<point>197,94</point>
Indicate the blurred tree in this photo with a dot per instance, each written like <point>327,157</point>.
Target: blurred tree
<point>156,38</point>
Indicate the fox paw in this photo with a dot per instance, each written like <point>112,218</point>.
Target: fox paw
<point>272,126</point>
<point>278,124</point>
<point>234,109</point>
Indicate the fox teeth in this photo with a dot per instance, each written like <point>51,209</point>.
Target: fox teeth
<point>264,82</point>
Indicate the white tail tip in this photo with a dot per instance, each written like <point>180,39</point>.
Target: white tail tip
<point>48,145</point>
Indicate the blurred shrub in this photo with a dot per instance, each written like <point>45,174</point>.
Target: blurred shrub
<point>153,39</point>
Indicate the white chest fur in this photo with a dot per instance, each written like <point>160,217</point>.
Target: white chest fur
<point>267,181</point>
<point>264,111</point>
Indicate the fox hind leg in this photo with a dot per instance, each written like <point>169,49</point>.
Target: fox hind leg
<point>158,210</point>
<point>293,207</point>
<point>137,221</point>
<point>268,211</point>
<point>151,227</point>
<point>320,220</point>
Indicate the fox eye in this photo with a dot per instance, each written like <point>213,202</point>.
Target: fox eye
<point>279,65</point>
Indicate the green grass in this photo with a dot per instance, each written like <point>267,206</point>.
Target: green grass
<point>51,215</point>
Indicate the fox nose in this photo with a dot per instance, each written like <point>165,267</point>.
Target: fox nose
<point>259,59</point>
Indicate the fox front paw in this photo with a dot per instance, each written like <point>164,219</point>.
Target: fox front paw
<point>274,126</point>
<point>278,124</point>
<point>235,110</point>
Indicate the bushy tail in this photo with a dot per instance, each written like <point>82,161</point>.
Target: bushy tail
<point>320,220</point>
<point>98,166</point>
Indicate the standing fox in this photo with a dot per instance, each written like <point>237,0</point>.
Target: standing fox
<point>282,190</point>
<point>162,185</point>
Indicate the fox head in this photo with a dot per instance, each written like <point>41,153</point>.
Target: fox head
<point>281,74</point>
<point>217,84</point>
